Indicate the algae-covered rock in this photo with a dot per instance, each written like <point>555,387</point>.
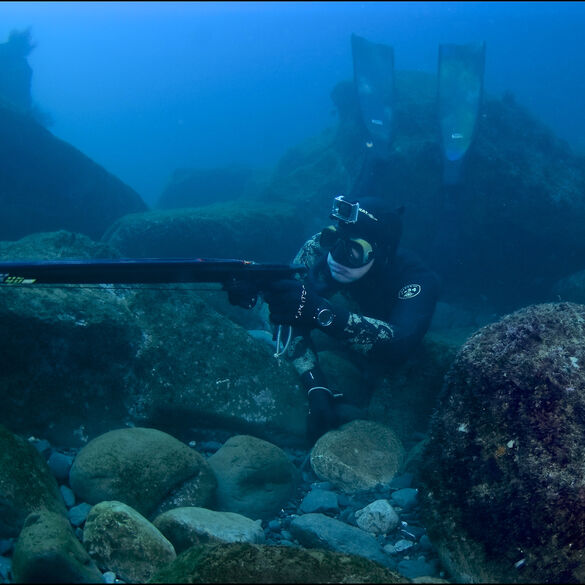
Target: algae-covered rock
<point>360,455</point>
<point>80,361</point>
<point>249,563</point>
<point>26,484</point>
<point>47,551</point>
<point>121,540</point>
<point>187,526</point>
<point>246,229</point>
<point>254,477</point>
<point>198,368</point>
<point>502,476</point>
<point>65,362</point>
<point>139,467</point>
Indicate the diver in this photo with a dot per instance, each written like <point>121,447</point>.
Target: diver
<point>361,291</point>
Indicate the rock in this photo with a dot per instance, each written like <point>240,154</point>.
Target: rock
<point>121,540</point>
<point>185,527</point>
<point>49,185</point>
<point>139,467</point>
<point>47,551</point>
<point>68,359</point>
<point>379,517</point>
<point>117,355</point>
<point>254,477</point>
<point>197,187</point>
<point>322,501</point>
<point>502,488</point>
<point>60,464</point>
<point>245,229</point>
<point>406,498</point>
<point>320,531</point>
<point>68,496</point>
<point>78,514</point>
<point>207,371</point>
<point>26,484</point>
<point>253,563</point>
<point>358,456</point>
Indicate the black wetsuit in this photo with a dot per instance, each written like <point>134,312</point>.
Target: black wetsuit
<point>382,316</point>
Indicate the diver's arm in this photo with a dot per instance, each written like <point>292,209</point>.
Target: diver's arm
<point>394,339</point>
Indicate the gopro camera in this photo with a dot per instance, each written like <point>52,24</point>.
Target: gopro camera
<point>344,210</point>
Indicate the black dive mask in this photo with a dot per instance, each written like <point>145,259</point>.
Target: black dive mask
<point>347,251</point>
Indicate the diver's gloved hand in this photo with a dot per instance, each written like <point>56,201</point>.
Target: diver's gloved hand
<point>322,416</point>
<point>241,293</point>
<point>293,303</point>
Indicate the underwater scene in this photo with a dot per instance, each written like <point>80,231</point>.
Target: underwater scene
<point>292,292</point>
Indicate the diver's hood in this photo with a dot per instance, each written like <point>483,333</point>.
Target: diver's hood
<point>378,223</point>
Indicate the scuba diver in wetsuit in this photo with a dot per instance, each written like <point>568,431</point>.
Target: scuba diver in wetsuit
<point>359,290</point>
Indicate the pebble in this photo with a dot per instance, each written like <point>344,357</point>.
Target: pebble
<point>78,514</point>
<point>406,498</point>
<point>68,496</point>
<point>60,464</point>
<point>320,500</point>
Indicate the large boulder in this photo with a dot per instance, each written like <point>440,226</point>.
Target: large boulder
<point>89,359</point>
<point>66,361</point>
<point>253,563</point>
<point>141,468</point>
<point>26,484</point>
<point>247,229</point>
<point>197,187</point>
<point>502,475</point>
<point>197,368</point>
<point>48,185</point>
<point>254,477</point>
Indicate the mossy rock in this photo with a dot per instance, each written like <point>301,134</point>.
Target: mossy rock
<point>249,563</point>
<point>26,484</point>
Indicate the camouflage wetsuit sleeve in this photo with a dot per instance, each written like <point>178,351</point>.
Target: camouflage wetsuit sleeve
<point>388,339</point>
<point>302,350</point>
<point>393,339</point>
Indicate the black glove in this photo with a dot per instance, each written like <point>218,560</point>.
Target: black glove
<point>292,303</point>
<point>241,293</point>
<point>322,416</point>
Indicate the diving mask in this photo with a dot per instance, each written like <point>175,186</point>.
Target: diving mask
<point>351,252</point>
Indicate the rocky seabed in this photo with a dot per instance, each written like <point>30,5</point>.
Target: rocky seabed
<point>379,523</point>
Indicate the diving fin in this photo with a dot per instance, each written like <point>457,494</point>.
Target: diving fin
<point>373,70</point>
<point>460,89</point>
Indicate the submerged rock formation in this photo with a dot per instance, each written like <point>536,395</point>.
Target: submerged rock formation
<point>81,361</point>
<point>503,473</point>
<point>48,185</point>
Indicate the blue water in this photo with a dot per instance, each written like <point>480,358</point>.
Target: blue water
<point>146,87</point>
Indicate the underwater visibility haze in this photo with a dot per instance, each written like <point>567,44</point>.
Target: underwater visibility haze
<point>402,182</point>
